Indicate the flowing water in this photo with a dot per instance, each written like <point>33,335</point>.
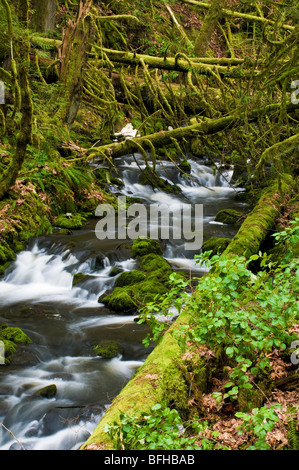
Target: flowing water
<point>65,322</point>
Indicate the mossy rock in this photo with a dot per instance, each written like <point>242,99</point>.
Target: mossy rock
<point>134,289</point>
<point>9,349</point>
<point>129,278</point>
<point>150,177</point>
<point>11,338</point>
<point>144,246</point>
<point>154,262</point>
<point>14,334</point>
<point>108,349</point>
<point>80,278</point>
<point>49,391</point>
<point>216,244</point>
<point>70,221</point>
<point>115,271</point>
<point>120,300</point>
<point>185,167</point>
<point>230,217</point>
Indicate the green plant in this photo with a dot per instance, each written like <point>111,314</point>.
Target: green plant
<point>160,429</point>
<point>258,423</point>
<point>292,427</point>
<point>242,314</point>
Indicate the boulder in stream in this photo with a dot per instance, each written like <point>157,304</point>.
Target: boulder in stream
<point>108,349</point>
<point>49,391</point>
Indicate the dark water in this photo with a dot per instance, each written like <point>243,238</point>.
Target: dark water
<point>65,322</point>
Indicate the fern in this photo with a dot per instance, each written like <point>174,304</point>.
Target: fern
<point>293,427</point>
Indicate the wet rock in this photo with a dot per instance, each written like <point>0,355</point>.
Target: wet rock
<point>230,217</point>
<point>115,271</point>
<point>80,278</point>
<point>70,221</point>
<point>144,246</point>
<point>49,391</point>
<point>129,278</point>
<point>108,349</point>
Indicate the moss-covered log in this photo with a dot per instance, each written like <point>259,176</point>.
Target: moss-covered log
<point>160,139</point>
<point>236,14</point>
<point>145,389</point>
<point>180,63</point>
<point>256,226</point>
<point>150,385</point>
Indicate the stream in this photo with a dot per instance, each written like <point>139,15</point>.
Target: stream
<point>65,322</point>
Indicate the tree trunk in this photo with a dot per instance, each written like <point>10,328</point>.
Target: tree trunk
<point>44,16</point>
<point>74,51</point>
<point>25,136</point>
<point>160,139</point>
<point>212,17</point>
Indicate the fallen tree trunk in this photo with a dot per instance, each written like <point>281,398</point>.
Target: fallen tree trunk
<point>236,14</point>
<point>160,139</point>
<point>180,63</point>
<point>150,385</point>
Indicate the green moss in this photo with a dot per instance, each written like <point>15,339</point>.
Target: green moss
<point>144,246</point>
<point>185,167</point>
<point>176,390</point>
<point>6,253</point>
<point>115,271</point>
<point>11,337</point>
<point>133,289</point>
<point>153,262</point>
<point>16,335</point>
<point>78,278</point>
<point>216,244</point>
<point>120,301</point>
<point>47,392</point>
<point>129,278</point>
<point>9,348</point>
<point>229,216</point>
<point>70,222</point>
<point>108,349</point>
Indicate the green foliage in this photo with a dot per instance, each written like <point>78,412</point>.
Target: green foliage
<point>160,429</point>
<point>259,423</point>
<point>243,314</point>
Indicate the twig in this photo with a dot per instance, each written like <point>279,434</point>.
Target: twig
<point>12,434</point>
